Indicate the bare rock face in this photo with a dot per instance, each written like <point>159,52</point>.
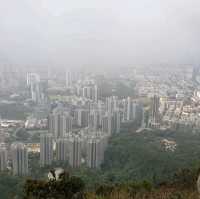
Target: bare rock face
<point>198,185</point>
<point>55,174</point>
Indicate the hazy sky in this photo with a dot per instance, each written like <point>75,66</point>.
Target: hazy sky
<point>99,33</point>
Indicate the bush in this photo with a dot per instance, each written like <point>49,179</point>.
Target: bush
<point>65,188</point>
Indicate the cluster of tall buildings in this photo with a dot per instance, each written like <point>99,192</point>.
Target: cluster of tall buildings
<point>90,91</point>
<point>85,88</point>
<point>78,134</point>
<point>74,149</point>
<point>97,116</point>
<point>59,123</point>
<point>18,154</point>
<point>79,129</point>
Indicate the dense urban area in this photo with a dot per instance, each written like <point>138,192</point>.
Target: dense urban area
<point>134,124</point>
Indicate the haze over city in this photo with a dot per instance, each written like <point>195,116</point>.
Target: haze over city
<point>99,33</point>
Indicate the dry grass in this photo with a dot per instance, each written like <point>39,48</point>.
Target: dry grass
<point>163,193</point>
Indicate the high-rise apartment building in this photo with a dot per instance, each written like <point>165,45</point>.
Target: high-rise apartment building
<point>3,158</point>
<point>75,144</point>
<point>19,154</point>
<point>68,78</point>
<point>94,120</point>
<point>33,82</point>
<point>155,115</point>
<point>94,153</point>
<point>62,150</point>
<point>59,124</point>
<point>46,149</point>
<point>81,117</point>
